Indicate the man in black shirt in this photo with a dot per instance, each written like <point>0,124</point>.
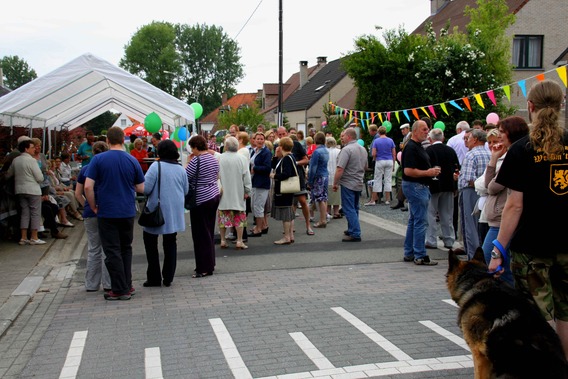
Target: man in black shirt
<point>416,176</point>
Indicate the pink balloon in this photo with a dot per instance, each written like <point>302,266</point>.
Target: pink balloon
<point>492,118</point>
<point>399,156</point>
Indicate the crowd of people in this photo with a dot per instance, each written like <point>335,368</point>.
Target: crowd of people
<point>490,186</point>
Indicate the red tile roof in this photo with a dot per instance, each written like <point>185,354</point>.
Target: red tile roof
<point>234,102</point>
<point>454,12</point>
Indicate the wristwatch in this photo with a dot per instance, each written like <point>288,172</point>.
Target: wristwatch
<point>495,254</point>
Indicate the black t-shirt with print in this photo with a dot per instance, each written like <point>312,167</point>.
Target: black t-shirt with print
<point>544,183</point>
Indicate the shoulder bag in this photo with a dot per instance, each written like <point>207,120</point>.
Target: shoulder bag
<point>152,218</point>
<point>190,199</point>
<point>292,184</point>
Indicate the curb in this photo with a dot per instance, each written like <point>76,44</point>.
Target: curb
<point>19,298</point>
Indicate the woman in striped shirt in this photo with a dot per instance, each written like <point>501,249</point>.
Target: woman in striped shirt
<point>202,173</point>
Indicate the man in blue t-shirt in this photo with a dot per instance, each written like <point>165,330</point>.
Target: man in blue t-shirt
<point>118,177</point>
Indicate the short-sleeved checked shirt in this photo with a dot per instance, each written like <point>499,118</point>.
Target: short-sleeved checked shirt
<point>473,166</point>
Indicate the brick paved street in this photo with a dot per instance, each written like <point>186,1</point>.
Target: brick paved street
<point>317,308</point>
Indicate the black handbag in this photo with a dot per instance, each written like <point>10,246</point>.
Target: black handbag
<point>152,218</point>
<point>190,199</point>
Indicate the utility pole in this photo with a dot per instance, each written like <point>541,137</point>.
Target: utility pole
<point>280,63</point>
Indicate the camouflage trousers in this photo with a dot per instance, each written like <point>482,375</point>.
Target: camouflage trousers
<point>546,279</point>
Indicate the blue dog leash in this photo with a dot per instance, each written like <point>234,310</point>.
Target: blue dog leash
<point>501,249</point>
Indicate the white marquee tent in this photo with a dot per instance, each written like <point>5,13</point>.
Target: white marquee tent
<point>85,88</point>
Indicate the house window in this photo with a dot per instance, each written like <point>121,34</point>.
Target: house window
<point>527,51</point>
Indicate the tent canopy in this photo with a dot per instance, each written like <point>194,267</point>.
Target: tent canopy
<point>85,88</point>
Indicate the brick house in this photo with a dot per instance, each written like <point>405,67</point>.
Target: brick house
<point>539,36</point>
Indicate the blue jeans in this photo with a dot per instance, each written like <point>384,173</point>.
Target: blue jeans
<point>418,196</point>
<point>350,206</point>
<point>507,275</point>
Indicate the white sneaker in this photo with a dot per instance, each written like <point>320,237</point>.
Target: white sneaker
<point>24,242</point>
<point>328,217</point>
<point>37,242</point>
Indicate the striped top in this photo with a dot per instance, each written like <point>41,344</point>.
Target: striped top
<point>207,187</point>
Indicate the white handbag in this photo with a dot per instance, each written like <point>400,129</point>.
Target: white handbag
<point>292,184</point>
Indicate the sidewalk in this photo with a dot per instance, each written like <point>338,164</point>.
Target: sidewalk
<point>23,269</point>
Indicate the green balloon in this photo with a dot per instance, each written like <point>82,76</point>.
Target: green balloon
<point>197,109</point>
<point>440,125</point>
<point>388,125</point>
<point>152,123</point>
<point>176,135</point>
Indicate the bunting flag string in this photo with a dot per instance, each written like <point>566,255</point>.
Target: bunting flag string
<point>369,117</point>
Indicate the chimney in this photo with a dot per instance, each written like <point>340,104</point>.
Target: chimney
<point>223,98</point>
<point>436,5</point>
<point>303,73</point>
<point>322,61</point>
<point>1,78</point>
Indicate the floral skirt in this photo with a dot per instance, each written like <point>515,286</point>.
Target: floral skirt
<point>319,189</point>
<point>229,219</point>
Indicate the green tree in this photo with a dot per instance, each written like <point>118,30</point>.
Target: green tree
<point>16,72</point>
<point>486,31</point>
<point>151,54</point>
<point>409,71</point>
<point>194,63</point>
<point>210,64</point>
<point>250,117</point>
<point>101,123</point>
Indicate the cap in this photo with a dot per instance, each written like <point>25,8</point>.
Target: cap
<point>23,138</point>
<point>404,126</point>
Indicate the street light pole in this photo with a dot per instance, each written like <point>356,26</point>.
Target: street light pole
<point>280,64</point>
<point>177,78</point>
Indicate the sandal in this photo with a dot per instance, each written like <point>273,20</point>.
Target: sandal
<point>283,241</point>
<point>241,246</point>
<point>337,216</point>
<point>320,225</point>
<point>224,245</point>
<point>310,232</point>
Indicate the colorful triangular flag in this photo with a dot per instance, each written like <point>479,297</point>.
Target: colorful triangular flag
<point>562,73</point>
<point>491,96</point>
<point>453,102</point>
<point>431,108</point>
<point>523,85</point>
<point>479,100</point>
<point>507,90</point>
<point>466,102</point>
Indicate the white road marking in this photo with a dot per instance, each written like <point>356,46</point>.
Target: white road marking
<point>311,351</point>
<point>372,334</point>
<point>74,355</point>
<point>451,302</point>
<point>445,333</point>
<point>229,349</point>
<point>153,363</point>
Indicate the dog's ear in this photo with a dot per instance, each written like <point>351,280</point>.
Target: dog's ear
<point>453,260</point>
<point>479,256</point>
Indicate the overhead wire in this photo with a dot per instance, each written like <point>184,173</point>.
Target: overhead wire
<point>247,21</point>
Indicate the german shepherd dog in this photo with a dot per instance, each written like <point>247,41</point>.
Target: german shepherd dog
<point>507,334</point>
